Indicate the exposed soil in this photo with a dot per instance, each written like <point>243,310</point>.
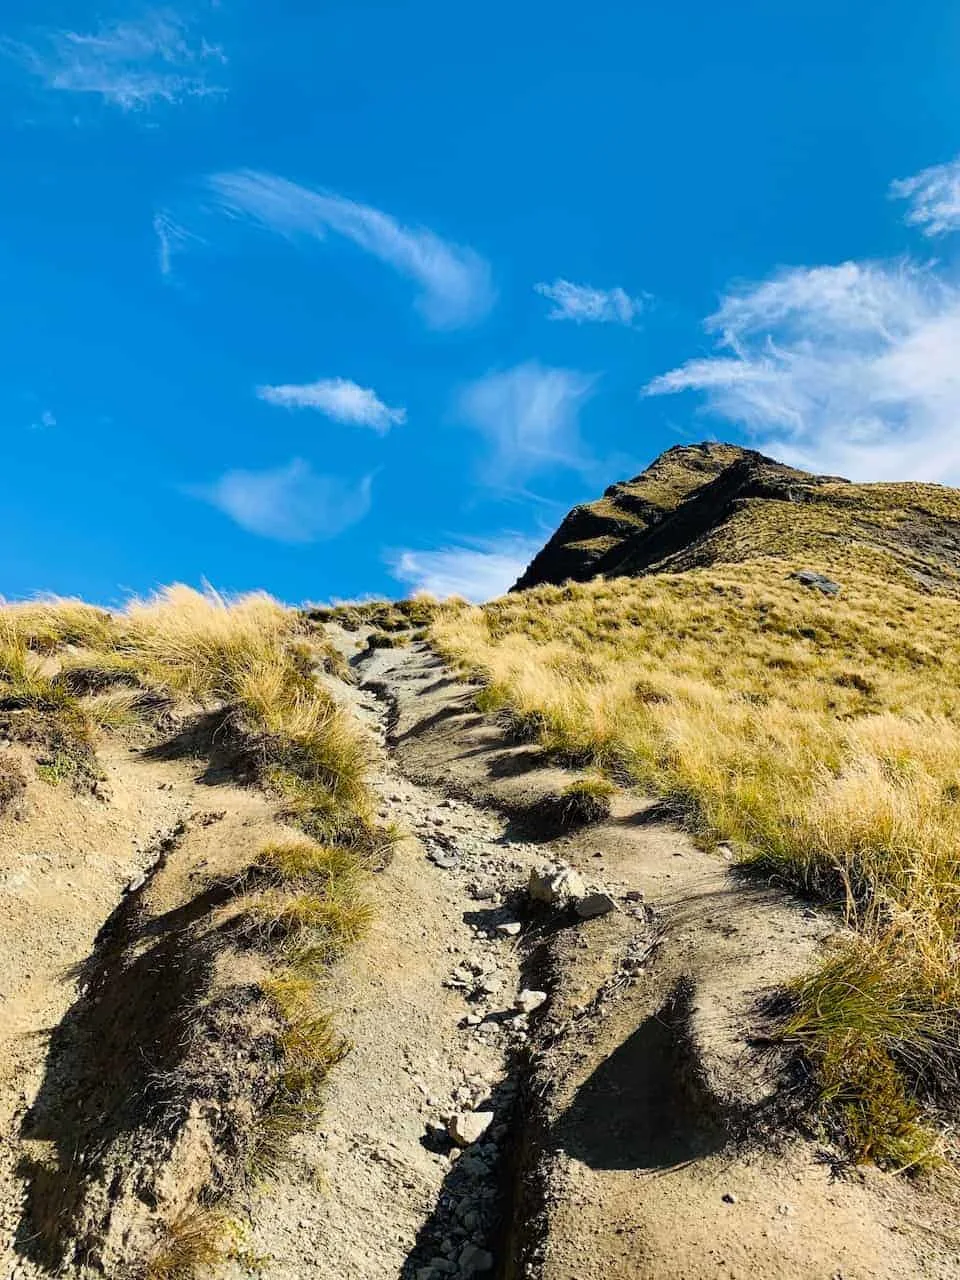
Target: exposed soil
<point>133,1042</point>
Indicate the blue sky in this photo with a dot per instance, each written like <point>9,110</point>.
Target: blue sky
<point>358,298</point>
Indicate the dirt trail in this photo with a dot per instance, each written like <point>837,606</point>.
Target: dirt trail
<point>427,1002</point>
<point>642,1142</point>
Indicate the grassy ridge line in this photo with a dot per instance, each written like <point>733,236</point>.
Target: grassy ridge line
<point>821,738</point>
<point>81,671</point>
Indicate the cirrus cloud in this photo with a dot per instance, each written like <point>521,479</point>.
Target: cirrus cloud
<point>529,414</point>
<point>131,64</point>
<point>581,302</point>
<point>290,503</point>
<point>338,398</point>
<point>478,570</point>
<point>850,369</point>
<point>454,282</point>
<point>934,198</point>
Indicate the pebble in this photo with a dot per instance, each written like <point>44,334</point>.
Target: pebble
<point>446,861</point>
<point>528,1000</point>
<point>510,930</point>
<point>729,1198</point>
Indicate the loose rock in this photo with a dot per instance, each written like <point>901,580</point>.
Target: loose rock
<point>594,904</point>
<point>465,1127</point>
<point>528,1000</point>
<point>474,1260</point>
<point>556,885</point>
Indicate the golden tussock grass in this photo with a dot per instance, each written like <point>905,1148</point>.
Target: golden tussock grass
<point>193,1240</point>
<point>819,736</point>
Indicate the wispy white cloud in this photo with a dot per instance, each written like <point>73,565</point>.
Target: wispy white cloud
<point>338,398</point>
<point>454,282</point>
<point>934,198</point>
<point>851,369</point>
<point>132,65</point>
<point>172,239</point>
<point>530,416</point>
<point>580,302</point>
<point>290,504</point>
<point>479,570</point>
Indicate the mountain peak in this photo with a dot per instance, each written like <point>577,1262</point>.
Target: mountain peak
<point>699,504</point>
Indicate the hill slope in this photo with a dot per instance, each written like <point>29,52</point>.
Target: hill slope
<point>698,505</point>
<point>815,736</point>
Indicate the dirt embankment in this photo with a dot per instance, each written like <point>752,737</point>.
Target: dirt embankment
<point>136,1044</point>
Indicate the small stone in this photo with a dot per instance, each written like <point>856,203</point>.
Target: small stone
<point>136,883</point>
<point>472,1020</point>
<point>466,1127</point>
<point>474,1260</point>
<point>446,861</point>
<point>634,895</point>
<point>595,904</point>
<point>510,930</point>
<point>527,1001</point>
<point>729,1198</point>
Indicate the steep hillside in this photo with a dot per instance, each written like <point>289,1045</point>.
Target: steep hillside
<point>698,505</point>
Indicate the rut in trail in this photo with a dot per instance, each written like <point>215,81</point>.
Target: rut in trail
<point>638,1133</point>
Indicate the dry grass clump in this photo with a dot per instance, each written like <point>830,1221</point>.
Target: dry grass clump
<point>587,800</point>
<point>195,1239</point>
<point>50,622</point>
<point>303,862</point>
<point>820,737</point>
<point>310,1047</point>
<point>385,615</point>
<point>314,904</point>
<point>36,711</point>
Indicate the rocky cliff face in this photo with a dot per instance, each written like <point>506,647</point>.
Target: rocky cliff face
<point>702,504</point>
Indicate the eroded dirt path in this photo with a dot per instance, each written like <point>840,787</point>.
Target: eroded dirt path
<point>427,1001</point>
<point>635,1123</point>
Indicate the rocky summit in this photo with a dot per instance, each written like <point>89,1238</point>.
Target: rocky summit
<point>709,503</point>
